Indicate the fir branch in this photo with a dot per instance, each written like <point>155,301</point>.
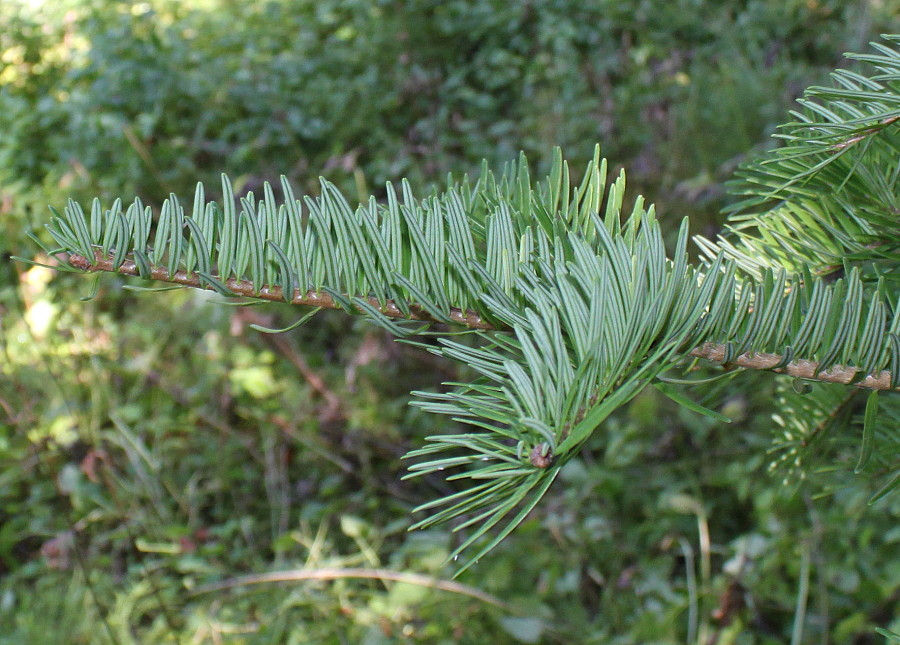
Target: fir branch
<point>829,197</point>
<point>714,352</point>
<point>593,306</point>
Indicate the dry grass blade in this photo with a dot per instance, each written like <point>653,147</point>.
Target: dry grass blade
<point>336,573</point>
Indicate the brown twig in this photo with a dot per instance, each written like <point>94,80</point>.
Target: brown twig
<point>248,289</point>
<point>799,368</point>
<point>336,573</point>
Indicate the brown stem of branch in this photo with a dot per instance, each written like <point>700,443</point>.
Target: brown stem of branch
<point>799,368</point>
<point>275,294</point>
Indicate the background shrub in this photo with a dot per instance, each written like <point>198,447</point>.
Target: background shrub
<point>143,456</point>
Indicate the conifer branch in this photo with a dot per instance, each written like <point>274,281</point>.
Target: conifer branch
<point>827,198</point>
<point>714,352</point>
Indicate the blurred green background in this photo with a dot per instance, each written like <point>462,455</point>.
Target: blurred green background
<point>152,444</point>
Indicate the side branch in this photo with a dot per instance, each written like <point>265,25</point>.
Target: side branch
<point>875,129</point>
<point>714,352</point>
